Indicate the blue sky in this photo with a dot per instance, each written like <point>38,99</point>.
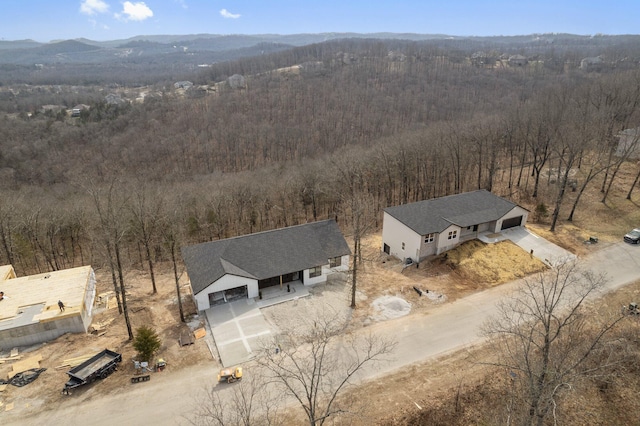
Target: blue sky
<point>47,20</point>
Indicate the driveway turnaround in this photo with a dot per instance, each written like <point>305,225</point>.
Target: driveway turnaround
<point>544,250</point>
<point>237,328</point>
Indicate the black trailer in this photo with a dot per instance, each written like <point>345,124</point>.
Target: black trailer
<point>98,366</point>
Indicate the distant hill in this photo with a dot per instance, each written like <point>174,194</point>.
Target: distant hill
<point>18,44</point>
<point>66,46</point>
<point>143,60</point>
<point>199,47</point>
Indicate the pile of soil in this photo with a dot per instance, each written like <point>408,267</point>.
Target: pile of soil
<point>492,264</point>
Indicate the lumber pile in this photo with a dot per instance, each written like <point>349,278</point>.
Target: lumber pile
<point>100,327</point>
<point>25,364</point>
<point>107,299</point>
<point>73,362</point>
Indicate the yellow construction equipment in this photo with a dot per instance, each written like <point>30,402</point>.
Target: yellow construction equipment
<point>230,375</point>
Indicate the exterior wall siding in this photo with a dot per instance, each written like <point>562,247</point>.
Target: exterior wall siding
<point>484,227</point>
<point>516,211</point>
<point>326,271</point>
<point>394,233</point>
<point>444,243</point>
<point>427,249</point>
<point>307,280</point>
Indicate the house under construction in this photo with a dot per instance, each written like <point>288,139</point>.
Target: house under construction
<point>29,308</point>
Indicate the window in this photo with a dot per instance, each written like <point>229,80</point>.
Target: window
<point>335,261</point>
<point>315,272</point>
<point>452,235</point>
<point>402,246</point>
<point>429,238</point>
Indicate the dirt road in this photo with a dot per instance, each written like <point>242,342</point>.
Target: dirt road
<point>169,396</point>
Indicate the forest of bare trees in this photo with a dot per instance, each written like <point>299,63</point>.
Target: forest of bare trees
<point>366,122</point>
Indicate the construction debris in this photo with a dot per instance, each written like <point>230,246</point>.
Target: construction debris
<point>200,333</point>
<point>99,329</point>
<point>186,338</point>
<point>11,358</point>
<point>632,309</point>
<point>25,365</point>
<point>25,377</point>
<point>107,299</point>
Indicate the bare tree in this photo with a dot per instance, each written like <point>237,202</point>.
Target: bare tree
<point>171,236</point>
<point>8,215</point>
<point>146,211</point>
<point>109,206</point>
<point>635,182</point>
<point>540,337</point>
<point>358,205</point>
<point>245,403</point>
<point>315,365</point>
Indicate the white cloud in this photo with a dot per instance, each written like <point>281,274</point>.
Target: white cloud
<point>226,14</point>
<point>93,7</point>
<point>182,3</point>
<point>134,11</point>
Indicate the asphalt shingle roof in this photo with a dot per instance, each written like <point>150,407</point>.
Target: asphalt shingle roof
<point>467,209</point>
<point>265,254</point>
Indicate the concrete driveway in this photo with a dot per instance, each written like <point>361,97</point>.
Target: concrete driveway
<point>237,328</point>
<point>544,250</point>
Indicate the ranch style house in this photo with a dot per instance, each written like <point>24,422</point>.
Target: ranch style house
<point>430,227</point>
<point>232,268</point>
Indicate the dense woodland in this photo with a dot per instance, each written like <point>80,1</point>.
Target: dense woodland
<point>360,125</point>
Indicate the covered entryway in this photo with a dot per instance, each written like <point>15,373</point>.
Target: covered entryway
<point>283,279</point>
<point>512,222</point>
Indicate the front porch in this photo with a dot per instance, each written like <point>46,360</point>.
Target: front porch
<point>278,294</point>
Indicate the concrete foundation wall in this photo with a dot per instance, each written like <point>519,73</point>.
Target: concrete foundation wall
<point>40,332</point>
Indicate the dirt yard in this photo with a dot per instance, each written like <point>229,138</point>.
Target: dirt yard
<point>159,311</point>
<point>385,290</point>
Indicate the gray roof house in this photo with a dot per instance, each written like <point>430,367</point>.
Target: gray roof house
<point>223,270</point>
<point>417,230</point>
